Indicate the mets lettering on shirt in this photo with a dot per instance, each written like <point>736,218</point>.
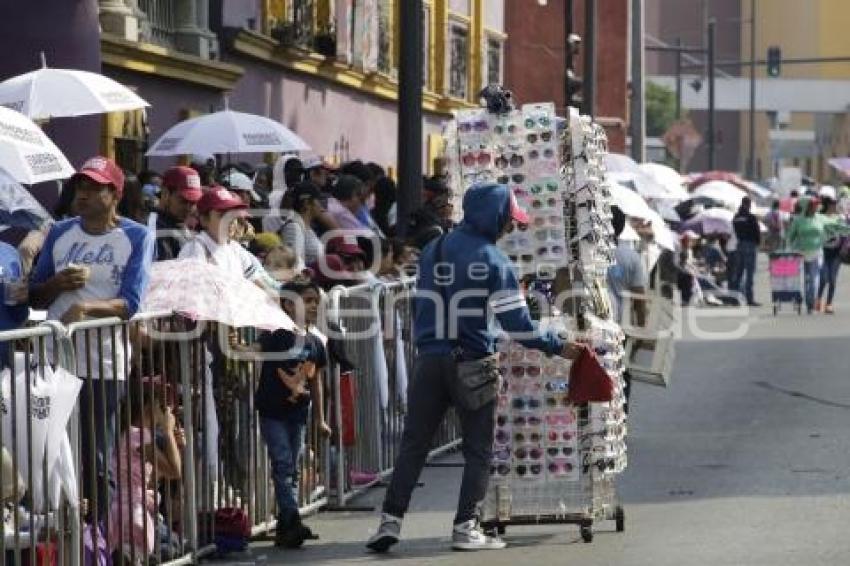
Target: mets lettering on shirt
<point>82,253</point>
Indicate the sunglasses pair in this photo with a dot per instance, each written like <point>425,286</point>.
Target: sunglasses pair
<point>560,468</point>
<point>542,121</point>
<point>532,470</point>
<point>524,453</point>
<point>551,252</point>
<point>516,178</point>
<point>544,137</point>
<point>527,421</point>
<point>539,203</point>
<point>547,153</point>
<point>550,186</point>
<point>530,436</point>
<point>525,371</point>
<point>559,436</point>
<point>557,386</point>
<point>524,258</point>
<point>478,125</point>
<point>525,403</point>
<point>558,451</point>
<point>557,401</point>
<point>550,220</point>
<point>514,161</point>
<point>473,158</point>
<point>526,355</point>
<point>502,129</point>
<point>551,234</point>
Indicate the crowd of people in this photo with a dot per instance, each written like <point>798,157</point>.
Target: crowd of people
<point>298,228</point>
<point>719,267</point>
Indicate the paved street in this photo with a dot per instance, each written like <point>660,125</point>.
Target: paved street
<point>744,460</point>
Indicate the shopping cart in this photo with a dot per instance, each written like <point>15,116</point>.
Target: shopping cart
<point>786,280</point>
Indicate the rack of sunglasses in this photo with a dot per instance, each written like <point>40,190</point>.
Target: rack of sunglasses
<point>553,462</point>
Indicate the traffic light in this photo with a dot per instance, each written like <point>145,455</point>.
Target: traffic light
<point>574,83</point>
<point>774,61</point>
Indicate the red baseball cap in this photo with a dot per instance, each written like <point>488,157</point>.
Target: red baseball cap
<point>346,246</point>
<point>103,171</point>
<point>517,213</point>
<point>219,198</point>
<point>185,180</point>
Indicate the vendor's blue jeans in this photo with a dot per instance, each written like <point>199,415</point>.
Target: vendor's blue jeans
<point>811,268</point>
<point>284,440</point>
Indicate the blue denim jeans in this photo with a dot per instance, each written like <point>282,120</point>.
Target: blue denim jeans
<point>811,268</point>
<point>285,441</point>
<point>829,276</point>
<point>747,256</point>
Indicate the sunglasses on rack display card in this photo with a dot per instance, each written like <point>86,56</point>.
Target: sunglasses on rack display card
<point>500,470</point>
<point>525,371</point>
<point>522,421</point>
<point>478,125</point>
<point>503,436</point>
<point>475,158</point>
<point>515,178</point>
<point>549,234</point>
<point>544,137</point>
<point>528,453</point>
<point>557,401</point>
<point>542,121</point>
<point>514,161</point>
<point>547,153</point>
<point>505,128</point>
<point>526,403</point>
<point>557,386</point>
<point>526,356</point>
<point>566,418</point>
<point>551,186</point>
<point>560,435</point>
<point>477,177</point>
<point>524,258</point>
<point>559,451</point>
<point>502,454</point>
<point>560,468</point>
<point>532,471</point>
<point>539,203</point>
<point>551,252</point>
<point>516,243</point>
<point>525,387</point>
<point>548,220</point>
<point>527,436</point>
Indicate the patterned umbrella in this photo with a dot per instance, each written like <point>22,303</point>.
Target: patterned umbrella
<point>203,291</point>
<point>18,207</point>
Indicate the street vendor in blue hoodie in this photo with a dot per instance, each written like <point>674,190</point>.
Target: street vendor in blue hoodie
<point>465,285</point>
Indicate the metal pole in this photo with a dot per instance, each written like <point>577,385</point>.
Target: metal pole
<point>638,84</point>
<point>570,64</point>
<point>679,79</point>
<point>751,162</point>
<point>711,111</point>
<point>590,58</point>
<point>409,113</point>
<point>191,500</point>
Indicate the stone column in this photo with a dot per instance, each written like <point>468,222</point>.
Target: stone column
<point>193,35</point>
<point>119,18</point>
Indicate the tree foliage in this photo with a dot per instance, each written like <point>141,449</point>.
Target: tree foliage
<point>660,109</point>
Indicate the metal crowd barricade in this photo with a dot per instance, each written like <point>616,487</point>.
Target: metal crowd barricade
<point>37,521</point>
<point>375,325</point>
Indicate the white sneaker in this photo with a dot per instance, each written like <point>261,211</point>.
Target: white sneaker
<point>469,536</point>
<point>387,535</point>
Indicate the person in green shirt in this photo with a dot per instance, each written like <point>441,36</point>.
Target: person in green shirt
<point>807,235</point>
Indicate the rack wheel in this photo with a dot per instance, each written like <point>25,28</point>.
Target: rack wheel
<point>500,529</point>
<point>620,518</point>
<point>587,533</point>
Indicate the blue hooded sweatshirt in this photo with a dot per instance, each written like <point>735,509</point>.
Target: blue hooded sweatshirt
<point>479,282</point>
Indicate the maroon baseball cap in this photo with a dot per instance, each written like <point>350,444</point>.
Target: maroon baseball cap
<point>517,213</point>
<point>103,171</point>
<point>346,246</point>
<point>184,180</point>
<point>219,198</point>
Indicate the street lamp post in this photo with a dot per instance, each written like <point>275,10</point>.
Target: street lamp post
<point>409,113</point>
<point>751,162</point>
<point>711,110</point>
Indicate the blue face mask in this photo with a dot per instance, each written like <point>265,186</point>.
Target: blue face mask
<point>150,190</point>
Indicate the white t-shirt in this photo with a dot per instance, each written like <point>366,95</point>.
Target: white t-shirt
<point>119,262</point>
<point>231,257</point>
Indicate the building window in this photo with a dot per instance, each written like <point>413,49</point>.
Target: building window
<point>302,21</point>
<point>458,60</point>
<point>494,62</point>
<point>160,24</point>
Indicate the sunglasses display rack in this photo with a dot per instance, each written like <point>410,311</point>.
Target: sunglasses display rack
<point>553,462</point>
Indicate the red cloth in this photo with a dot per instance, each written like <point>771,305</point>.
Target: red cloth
<point>589,382</point>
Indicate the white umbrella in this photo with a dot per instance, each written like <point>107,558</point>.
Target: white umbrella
<point>711,221</point>
<point>18,207</point>
<point>52,93</point>
<point>26,153</point>
<point>663,236</point>
<point>631,203</point>
<point>723,192</point>
<point>668,178</point>
<point>227,132</point>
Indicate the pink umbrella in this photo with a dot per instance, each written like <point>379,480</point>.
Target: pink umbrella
<point>203,291</point>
